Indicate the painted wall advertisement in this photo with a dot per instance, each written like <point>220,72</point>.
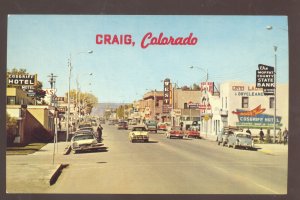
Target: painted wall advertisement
<point>256,118</point>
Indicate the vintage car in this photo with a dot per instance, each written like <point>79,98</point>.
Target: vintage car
<point>222,136</point>
<point>151,125</point>
<point>84,131</point>
<point>91,129</point>
<point>162,126</point>
<point>175,132</point>
<point>192,132</point>
<point>139,133</point>
<point>123,125</point>
<point>84,142</point>
<point>240,139</point>
<point>84,125</point>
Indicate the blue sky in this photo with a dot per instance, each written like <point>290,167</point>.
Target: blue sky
<point>229,47</point>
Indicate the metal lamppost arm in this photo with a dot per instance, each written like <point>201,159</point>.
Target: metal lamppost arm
<point>205,71</point>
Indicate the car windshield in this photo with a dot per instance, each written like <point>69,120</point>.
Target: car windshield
<point>243,135</point>
<point>86,129</point>
<point>122,123</point>
<point>84,125</point>
<point>83,137</point>
<point>84,132</point>
<point>139,129</point>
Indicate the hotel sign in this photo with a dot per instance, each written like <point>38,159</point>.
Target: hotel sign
<point>21,79</point>
<point>256,118</point>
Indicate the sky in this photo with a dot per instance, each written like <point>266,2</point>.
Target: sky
<point>228,48</point>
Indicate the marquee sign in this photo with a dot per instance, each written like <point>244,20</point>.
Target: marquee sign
<point>167,95</point>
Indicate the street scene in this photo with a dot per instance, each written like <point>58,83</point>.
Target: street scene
<point>165,105</point>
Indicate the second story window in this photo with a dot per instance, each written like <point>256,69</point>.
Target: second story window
<point>272,102</point>
<point>245,102</point>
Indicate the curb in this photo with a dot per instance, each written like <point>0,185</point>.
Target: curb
<point>67,150</point>
<point>56,173</point>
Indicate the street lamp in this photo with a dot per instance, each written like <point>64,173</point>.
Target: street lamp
<point>70,70</point>
<point>205,71</point>
<point>269,27</point>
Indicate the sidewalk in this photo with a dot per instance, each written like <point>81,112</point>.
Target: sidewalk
<point>35,172</point>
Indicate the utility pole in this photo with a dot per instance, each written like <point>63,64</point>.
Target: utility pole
<point>275,85</point>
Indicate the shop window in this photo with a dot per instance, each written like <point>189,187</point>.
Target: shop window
<point>245,102</point>
<point>11,101</point>
<point>272,102</point>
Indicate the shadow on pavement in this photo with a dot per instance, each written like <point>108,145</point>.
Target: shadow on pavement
<point>102,149</point>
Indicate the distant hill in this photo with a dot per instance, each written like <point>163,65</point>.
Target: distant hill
<point>101,107</point>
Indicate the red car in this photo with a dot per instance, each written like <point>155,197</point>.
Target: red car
<point>193,133</point>
<point>175,132</point>
<point>162,126</point>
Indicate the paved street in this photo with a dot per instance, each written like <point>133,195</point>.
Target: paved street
<point>164,166</point>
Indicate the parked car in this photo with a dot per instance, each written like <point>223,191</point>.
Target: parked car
<point>84,131</point>
<point>139,133</point>
<point>240,139</point>
<point>192,132</point>
<point>151,125</point>
<point>84,125</point>
<point>91,129</point>
<point>176,132</point>
<point>222,136</point>
<point>123,125</point>
<point>84,142</point>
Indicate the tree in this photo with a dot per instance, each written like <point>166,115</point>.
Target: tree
<point>85,100</point>
<point>196,86</point>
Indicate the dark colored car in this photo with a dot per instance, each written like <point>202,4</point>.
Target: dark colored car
<point>151,126</point>
<point>123,125</point>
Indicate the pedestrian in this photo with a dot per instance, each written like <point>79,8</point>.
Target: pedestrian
<point>248,131</point>
<point>99,131</point>
<point>268,136</point>
<point>261,135</point>
<point>285,136</point>
<point>59,126</point>
<point>279,135</point>
<point>181,126</point>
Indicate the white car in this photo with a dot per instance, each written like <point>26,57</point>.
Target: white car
<point>139,133</point>
<point>240,139</point>
<point>83,142</point>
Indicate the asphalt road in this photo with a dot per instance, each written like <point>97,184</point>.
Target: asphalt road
<point>171,166</point>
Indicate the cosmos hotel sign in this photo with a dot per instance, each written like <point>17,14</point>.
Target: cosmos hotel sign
<point>21,79</point>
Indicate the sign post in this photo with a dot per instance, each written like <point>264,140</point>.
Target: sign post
<point>266,79</point>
